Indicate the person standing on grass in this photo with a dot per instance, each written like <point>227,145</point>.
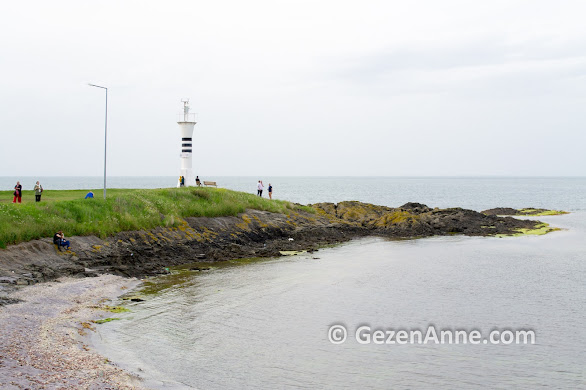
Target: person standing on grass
<point>260,187</point>
<point>17,193</point>
<point>38,192</point>
<point>197,181</point>
<point>270,191</point>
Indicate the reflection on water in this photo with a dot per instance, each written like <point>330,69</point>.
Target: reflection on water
<point>264,324</point>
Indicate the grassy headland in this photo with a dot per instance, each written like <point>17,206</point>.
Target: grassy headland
<point>123,210</point>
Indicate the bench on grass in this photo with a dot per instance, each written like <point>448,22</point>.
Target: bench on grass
<point>210,183</point>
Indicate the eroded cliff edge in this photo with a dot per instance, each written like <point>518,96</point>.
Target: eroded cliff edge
<point>250,234</point>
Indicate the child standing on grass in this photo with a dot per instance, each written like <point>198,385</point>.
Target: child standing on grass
<point>270,191</point>
<point>38,192</point>
<point>17,193</point>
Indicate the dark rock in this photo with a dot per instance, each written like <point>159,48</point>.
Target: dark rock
<point>200,269</point>
<point>8,301</point>
<point>501,211</point>
<point>415,207</point>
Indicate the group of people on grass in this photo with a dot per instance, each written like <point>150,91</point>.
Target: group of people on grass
<point>38,193</point>
<point>182,181</point>
<point>260,187</point>
<point>59,237</point>
<point>18,192</point>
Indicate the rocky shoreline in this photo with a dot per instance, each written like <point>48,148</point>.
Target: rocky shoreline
<point>250,234</point>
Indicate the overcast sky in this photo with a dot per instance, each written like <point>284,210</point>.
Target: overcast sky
<point>393,88</point>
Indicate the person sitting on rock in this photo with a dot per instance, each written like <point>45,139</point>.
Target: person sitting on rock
<point>60,241</point>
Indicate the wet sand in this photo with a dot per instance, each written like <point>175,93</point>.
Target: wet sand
<point>44,341</point>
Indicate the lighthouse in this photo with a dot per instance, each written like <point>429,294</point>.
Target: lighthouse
<point>186,124</point>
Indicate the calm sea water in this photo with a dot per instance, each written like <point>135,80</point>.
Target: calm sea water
<point>263,325</point>
<point>472,193</point>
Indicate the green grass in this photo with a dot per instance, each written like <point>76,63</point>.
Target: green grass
<point>123,210</point>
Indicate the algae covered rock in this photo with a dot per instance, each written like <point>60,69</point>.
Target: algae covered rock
<point>418,220</point>
<point>530,212</point>
<point>362,213</point>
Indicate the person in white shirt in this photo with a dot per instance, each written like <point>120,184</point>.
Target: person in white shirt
<point>260,187</point>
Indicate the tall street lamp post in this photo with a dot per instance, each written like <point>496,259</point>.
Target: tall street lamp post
<point>105,133</point>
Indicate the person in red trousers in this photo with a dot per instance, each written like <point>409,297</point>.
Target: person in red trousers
<point>17,193</point>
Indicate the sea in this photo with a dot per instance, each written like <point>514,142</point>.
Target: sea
<point>266,323</point>
<point>476,193</point>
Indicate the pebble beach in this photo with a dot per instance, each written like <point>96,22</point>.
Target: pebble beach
<point>44,339</point>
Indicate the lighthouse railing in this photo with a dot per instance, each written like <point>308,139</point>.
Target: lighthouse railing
<point>190,117</point>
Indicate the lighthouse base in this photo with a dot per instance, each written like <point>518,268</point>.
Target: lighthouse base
<point>189,178</point>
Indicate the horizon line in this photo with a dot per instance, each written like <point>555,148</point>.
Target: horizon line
<point>321,176</point>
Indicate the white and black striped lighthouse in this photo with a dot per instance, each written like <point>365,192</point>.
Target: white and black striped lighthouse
<point>186,125</point>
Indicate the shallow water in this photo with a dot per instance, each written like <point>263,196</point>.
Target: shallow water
<point>264,324</point>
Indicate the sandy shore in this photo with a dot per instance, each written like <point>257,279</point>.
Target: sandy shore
<point>43,339</point>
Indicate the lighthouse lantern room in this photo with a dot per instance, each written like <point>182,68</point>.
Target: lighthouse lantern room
<point>186,124</point>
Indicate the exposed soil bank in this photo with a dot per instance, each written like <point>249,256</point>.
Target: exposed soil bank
<point>250,234</point>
